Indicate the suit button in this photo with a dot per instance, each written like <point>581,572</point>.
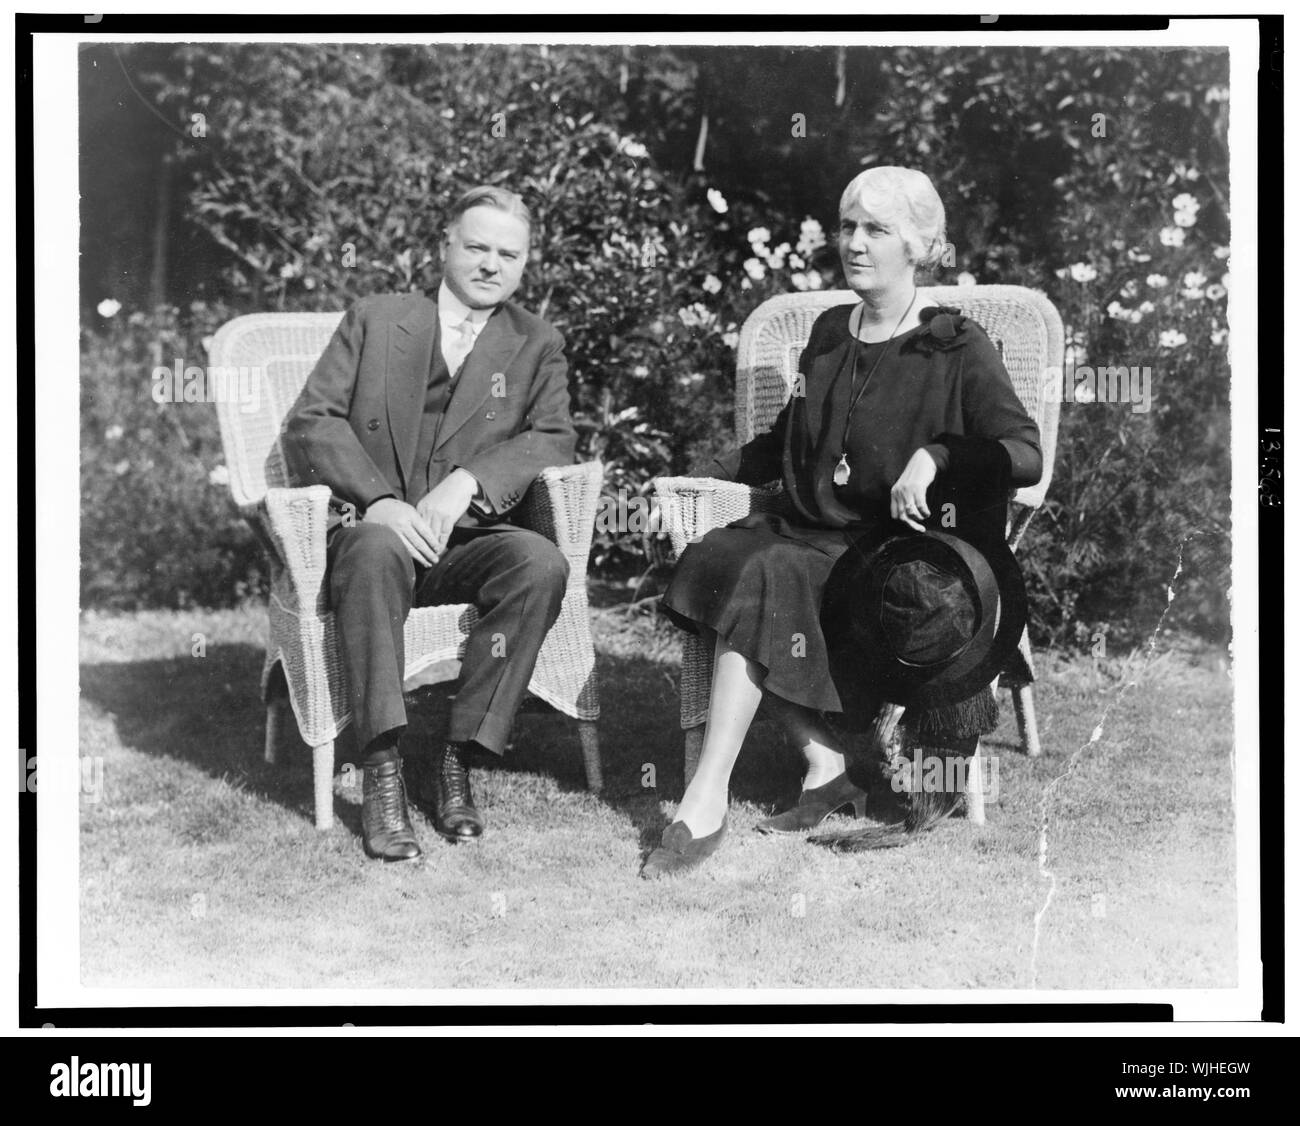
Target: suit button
<point>373,424</point>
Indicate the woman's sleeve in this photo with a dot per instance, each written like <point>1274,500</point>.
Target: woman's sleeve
<point>759,461</point>
<point>991,409</point>
<point>756,462</point>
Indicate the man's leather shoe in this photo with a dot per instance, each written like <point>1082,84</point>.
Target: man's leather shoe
<point>385,820</point>
<point>454,814</point>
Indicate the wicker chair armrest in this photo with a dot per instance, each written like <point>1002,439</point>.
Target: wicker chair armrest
<point>292,524</point>
<point>561,504</point>
<point>692,506</point>
<point>1018,518</point>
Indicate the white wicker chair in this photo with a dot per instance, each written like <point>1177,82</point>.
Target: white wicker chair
<point>561,504</point>
<point>1024,325</point>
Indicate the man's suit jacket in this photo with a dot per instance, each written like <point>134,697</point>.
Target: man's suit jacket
<point>356,424</point>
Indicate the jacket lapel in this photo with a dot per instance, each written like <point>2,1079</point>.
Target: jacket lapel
<point>411,341</point>
<point>496,346</point>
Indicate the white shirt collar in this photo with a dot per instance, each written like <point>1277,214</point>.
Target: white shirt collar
<point>453,312</point>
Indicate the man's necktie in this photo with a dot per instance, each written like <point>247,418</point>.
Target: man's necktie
<point>460,346</point>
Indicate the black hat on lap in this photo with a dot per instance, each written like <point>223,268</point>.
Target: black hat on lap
<point>930,618</point>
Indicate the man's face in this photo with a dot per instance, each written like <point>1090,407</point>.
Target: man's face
<point>483,256</point>
<point>872,251</point>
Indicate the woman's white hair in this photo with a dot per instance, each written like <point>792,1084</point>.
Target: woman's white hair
<point>905,199</point>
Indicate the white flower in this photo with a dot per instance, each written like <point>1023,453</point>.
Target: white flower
<point>1186,202</point>
<point>965,278</point>
<point>796,263</point>
<point>716,201</point>
<point>640,371</point>
<point>1215,292</point>
<point>711,285</point>
<point>745,283</point>
<point>759,236</point>
<point>1063,272</point>
<point>731,339</point>
<point>1226,281</point>
<point>1146,308</point>
<point>1216,94</point>
<point>1193,294</point>
<point>113,433</point>
<point>290,270</point>
<point>1172,338</point>
<point>108,307</point>
<point>631,148</point>
<point>309,283</point>
<point>755,269</point>
<point>1129,290</point>
<point>220,475</point>
<point>1185,218</point>
<point>1222,252</point>
<point>1119,313</point>
<point>1157,281</point>
<point>1084,393</point>
<point>1082,272</point>
<point>1194,278</point>
<point>811,237</point>
<point>799,281</point>
<point>814,279</point>
<point>696,316</point>
<point>775,257</point>
<point>1219,336</point>
<point>121,467</point>
<point>1135,255</point>
<point>1172,236</point>
<point>692,380</point>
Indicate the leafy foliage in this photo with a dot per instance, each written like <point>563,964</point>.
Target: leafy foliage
<point>157,525</point>
<point>323,170</point>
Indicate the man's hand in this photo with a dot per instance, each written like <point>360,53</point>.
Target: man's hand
<point>410,526</point>
<point>907,497</point>
<point>442,506</point>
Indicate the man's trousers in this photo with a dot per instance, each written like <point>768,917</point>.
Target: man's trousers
<point>515,577</point>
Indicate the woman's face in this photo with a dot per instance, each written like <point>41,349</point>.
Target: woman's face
<point>872,252</point>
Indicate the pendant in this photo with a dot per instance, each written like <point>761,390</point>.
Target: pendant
<point>841,474</point>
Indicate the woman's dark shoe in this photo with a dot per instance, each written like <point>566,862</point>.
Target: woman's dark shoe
<point>679,851</point>
<point>385,820</point>
<point>817,804</point>
<point>454,813</point>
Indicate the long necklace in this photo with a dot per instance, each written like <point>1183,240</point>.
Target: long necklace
<point>842,470</point>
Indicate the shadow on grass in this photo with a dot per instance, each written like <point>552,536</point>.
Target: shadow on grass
<point>208,712</point>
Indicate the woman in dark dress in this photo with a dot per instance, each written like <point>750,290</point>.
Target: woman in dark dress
<point>894,393</point>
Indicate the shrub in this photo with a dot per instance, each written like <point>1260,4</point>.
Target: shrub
<point>157,524</point>
<point>324,171</point>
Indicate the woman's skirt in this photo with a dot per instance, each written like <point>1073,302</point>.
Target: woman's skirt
<point>759,583</point>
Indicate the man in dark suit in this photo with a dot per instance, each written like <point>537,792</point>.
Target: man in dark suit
<point>428,419</point>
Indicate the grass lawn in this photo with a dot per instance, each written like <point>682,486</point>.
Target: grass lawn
<point>200,865</point>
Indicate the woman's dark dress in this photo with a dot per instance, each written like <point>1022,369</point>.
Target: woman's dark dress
<point>759,582</point>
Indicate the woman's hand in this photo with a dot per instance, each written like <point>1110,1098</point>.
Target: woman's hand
<point>907,497</point>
